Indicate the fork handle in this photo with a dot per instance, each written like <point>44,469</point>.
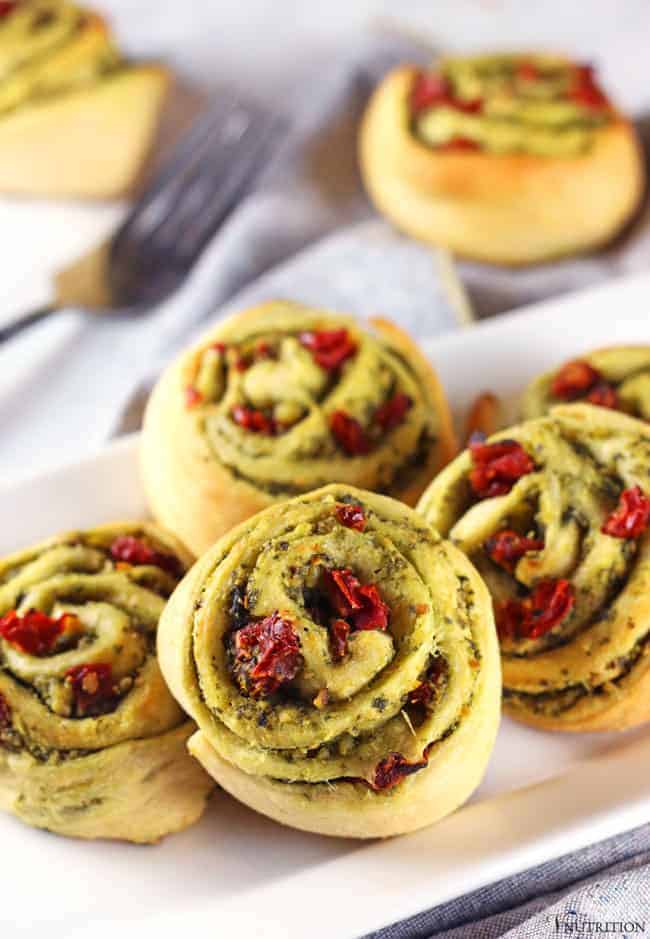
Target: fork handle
<point>15,326</point>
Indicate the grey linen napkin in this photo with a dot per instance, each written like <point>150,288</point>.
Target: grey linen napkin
<point>604,885</point>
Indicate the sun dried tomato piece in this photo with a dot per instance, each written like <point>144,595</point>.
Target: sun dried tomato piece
<point>192,397</point>
<point>527,71</point>
<point>506,547</point>
<point>545,607</point>
<point>497,466</point>
<point>574,380</point>
<point>391,413</point>
<point>263,350</point>
<point>267,655</point>
<point>359,603</point>
<point>425,691</point>
<point>351,516</point>
<point>5,713</point>
<point>459,143</point>
<point>429,89</point>
<point>219,347</point>
<point>255,421</point>
<point>329,347</point>
<point>585,90</point>
<point>394,768</point>
<point>93,688</point>
<point>7,7</point>
<point>132,550</point>
<point>33,632</point>
<point>349,433</point>
<point>375,612</point>
<point>630,517</point>
<point>604,395</point>
<point>339,631</point>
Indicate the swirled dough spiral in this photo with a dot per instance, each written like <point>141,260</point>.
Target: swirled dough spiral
<point>509,159</point>
<point>617,377</point>
<point>565,551</point>
<point>259,412</point>
<point>382,733</point>
<point>92,744</point>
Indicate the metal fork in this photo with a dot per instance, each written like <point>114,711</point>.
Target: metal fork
<point>158,244</point>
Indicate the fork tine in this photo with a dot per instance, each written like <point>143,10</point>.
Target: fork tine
<point>200,228</point>
<point>222,124</point>
<point>205,201</point>
<point>191,196</point>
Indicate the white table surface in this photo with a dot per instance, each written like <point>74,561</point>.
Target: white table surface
<point>266,47</point>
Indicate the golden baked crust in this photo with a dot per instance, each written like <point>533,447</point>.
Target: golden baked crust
<point>204,473</point>
<point>76,118</point>
<point>92,745</point>
<point>89,143</point>
<point>572,604</point>
<point>383,734</point>
<point>618,377</point>
<point>510,208</point>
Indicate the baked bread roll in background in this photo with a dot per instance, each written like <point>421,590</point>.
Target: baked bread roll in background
<point>510,159</point>
<point>341,663</point>
<point>92,744</point>
<point>554,513</point>
<point>281,399</point>
<point>617,377</point>
<point>76,118</point>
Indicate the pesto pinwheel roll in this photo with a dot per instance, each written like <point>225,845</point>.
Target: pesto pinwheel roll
<point>282,399</point>
<point>554,514</point>
<point>510,159</point>
<point>76,117</point>
<point>617,377</point>
<point>341,663</point>
<point>92,744</point>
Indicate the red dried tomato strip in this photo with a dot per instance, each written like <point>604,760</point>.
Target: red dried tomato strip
<point>585,90</point>
<point>506,547</point>
<point>329,347</point>
<point>575,380</point>
<point>548,605</point>
<point>497,466</point>
<point>5,713</point>
<point>351,516</point>
<point>392,412</point>
<point>604,395</point>
<point>7,7</point>
<point>430,89</point>
<point>255,421</point>
<point>394,768</point>
<point>459,143</point>
<point>339,631</point>
<point>192,397</point>
<point>424,692</point>
<point>349,433</point>
<point>263,350</point>
<point>527,71</point>
<point>630,517</point>
<point>93,688</point>
<point>34,632</point>
<point>267,655</point>
<point>359,603</point>
<point>132,550</point>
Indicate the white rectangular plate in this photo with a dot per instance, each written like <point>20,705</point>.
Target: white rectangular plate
<point>236,873</point>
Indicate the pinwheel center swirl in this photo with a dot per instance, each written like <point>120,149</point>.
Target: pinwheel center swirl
<point>77,625</point>
<point>276,399</point>
<point>281,685</point>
